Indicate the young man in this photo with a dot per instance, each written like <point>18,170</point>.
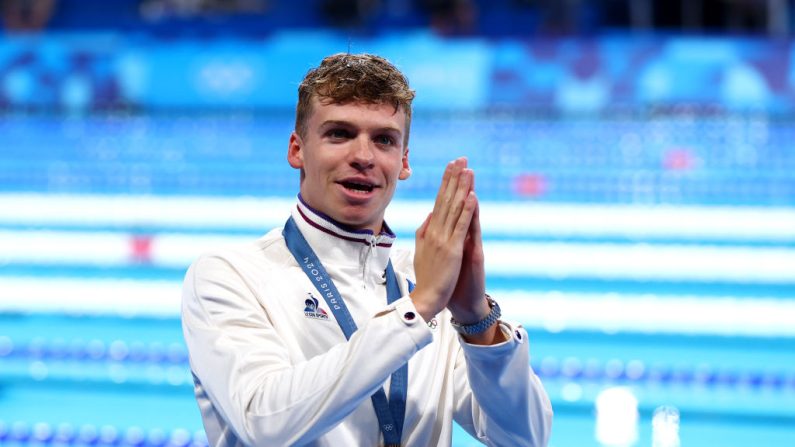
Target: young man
<point>316,333</point>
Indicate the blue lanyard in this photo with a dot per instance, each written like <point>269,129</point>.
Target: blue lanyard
<point>390,414</point>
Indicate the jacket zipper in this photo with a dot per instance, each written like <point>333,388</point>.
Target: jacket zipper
<point>373,242</point>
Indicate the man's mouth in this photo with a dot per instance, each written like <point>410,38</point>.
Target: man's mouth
<point>358,187</point>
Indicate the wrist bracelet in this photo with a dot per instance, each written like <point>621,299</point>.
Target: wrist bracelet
<point>482,325</point>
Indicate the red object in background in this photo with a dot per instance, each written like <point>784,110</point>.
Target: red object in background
<point>141,248</point>
<point>530,185</point>
<point>680,159</point>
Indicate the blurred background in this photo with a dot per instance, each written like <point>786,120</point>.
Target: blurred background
<point>635,161</point>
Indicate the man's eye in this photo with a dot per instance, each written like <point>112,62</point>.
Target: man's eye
<point>338,134</point>
<point>384,139</point>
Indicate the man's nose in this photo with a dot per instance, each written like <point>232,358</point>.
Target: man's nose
<point>362,152</point>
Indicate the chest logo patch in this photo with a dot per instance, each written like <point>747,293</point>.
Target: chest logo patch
<point>312,309</point>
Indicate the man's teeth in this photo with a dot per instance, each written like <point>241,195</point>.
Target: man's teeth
<point>358,187</point>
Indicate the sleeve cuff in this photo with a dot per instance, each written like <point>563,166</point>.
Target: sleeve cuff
<point>515,334</point>
<point>404,311</point>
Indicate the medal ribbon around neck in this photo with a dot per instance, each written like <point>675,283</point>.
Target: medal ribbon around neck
<point>392,413</point>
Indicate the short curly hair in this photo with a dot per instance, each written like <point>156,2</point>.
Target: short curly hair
<point>343,78</point>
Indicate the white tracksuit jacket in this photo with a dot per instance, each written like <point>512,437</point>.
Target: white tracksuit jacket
<point>270,371</point>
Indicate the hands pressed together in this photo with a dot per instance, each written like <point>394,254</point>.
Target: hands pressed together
<point>448,259</point>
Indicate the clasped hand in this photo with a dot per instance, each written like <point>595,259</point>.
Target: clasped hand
<point>448,259</point>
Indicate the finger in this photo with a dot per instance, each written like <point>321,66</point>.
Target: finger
<point>458,202</point>
<point>450,174</point>
<point>472,240</point>
<point>474,228</point>
<point>475,249</point>
<point>473,235</point>
<point>444,200</point>
<point>448,171</point>
<point>472,185</point>
<point>465,219</point>
<point>424,227</point>
<point>438,205</point>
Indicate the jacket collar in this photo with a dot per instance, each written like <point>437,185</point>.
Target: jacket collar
<point>340,244</point>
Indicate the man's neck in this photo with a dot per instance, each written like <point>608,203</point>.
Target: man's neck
<point>381,228</point>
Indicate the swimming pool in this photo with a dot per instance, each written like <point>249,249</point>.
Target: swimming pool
<point>653,260</point>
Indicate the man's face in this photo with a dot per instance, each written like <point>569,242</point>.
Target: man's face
<point>351,159</point>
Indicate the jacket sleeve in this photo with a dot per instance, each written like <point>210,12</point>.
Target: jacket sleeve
<point>499,399</point>
<point>244,366</point>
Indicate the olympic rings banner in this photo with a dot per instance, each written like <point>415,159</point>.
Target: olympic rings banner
<point>85,72</point>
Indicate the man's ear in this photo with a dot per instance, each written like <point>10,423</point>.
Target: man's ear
<point>295,151</point>
<point>405,171</point>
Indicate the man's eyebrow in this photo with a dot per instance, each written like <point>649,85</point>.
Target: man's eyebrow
<point>330,123</point>
<point>336,123</point>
